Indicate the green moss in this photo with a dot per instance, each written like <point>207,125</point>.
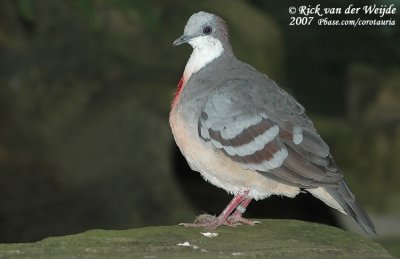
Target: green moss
<point>392,245</point>
<point>271,239</point>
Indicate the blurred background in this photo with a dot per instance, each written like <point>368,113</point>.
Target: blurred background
<point>85,89</point>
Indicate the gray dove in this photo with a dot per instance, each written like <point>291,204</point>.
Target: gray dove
<point>246,135</point>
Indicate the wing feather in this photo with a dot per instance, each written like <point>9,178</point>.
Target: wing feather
<point>282,145</point>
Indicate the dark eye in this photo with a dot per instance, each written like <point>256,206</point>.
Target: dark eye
<point>207,30</point>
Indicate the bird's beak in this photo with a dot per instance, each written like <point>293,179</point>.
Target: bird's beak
<point>182,39</point>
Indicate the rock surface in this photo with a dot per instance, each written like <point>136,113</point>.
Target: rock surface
<point>271,239</point>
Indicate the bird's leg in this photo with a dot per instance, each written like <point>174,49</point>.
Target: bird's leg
<point>236,218</point>
<point>212,222</point>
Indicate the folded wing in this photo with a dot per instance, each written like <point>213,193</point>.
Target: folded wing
<point>266,141</point>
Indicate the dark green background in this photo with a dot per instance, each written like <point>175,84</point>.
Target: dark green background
<point>85,88</point>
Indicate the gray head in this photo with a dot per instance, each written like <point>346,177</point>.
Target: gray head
<point>204,25</point>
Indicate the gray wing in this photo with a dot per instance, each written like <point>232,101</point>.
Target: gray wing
<point>264,129</point>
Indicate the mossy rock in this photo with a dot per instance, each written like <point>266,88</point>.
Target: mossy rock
<point>270,239</point>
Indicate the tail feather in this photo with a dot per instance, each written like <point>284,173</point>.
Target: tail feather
<point>347,200</point>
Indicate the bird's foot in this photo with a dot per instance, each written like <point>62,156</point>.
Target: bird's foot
<point>237,220</point>
<point>205,221</point>
<point>239,202</point>
<point>212,222</point>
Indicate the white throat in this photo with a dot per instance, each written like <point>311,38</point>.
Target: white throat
<point>205,50</point>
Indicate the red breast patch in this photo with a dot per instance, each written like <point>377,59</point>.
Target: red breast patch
<point>178,91</point>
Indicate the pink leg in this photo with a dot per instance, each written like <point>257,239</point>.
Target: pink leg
<point>236,218</point>
<point>211,222</point>
<point>241,208</point>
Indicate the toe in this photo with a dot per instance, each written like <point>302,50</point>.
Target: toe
<point>204,218</point>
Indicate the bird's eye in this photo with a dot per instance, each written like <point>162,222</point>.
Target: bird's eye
<point>207,30</point>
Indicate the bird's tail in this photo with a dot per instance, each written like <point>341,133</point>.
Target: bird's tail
<point>347,200</point>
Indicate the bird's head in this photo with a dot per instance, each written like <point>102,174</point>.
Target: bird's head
<point>204,30</point>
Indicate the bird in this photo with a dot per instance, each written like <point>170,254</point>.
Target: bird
<point>243,133</point>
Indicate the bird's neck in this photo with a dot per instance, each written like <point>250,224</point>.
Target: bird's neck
<point>205,50</point>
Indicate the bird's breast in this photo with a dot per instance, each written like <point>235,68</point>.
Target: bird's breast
<point>218,169</point>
